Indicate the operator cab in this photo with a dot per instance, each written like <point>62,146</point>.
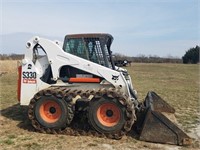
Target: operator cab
<point>93,47</point>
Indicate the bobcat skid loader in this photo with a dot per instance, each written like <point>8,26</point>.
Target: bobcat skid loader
<point>74,88</point>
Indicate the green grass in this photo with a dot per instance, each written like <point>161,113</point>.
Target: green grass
<point>8,142</point>
<point>178,84</point>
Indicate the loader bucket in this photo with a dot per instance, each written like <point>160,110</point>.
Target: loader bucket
<point>154,124</point>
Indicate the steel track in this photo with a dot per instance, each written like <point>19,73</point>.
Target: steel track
<point>80,125</point>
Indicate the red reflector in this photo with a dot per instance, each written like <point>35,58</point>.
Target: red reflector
<point>19,83</point>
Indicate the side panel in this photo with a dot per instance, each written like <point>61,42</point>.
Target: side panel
<point>28,82</point>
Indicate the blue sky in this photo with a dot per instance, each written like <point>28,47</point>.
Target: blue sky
<point>149,27</point>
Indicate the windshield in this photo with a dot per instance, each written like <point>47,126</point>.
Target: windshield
<point>93,49</point>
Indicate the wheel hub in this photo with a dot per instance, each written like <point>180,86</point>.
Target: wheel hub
<point>109,113</point>
<point>50,111</point>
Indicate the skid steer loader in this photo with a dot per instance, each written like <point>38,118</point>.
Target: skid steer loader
<point>74,88</point>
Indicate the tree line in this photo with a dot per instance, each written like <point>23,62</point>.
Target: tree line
<point>117,57</point>
<point>11,56</point>
<point>191,56</point>
<point>146,59</point>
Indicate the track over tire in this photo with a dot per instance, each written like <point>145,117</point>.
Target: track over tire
<point>111,113</point>
<point>49,110</point>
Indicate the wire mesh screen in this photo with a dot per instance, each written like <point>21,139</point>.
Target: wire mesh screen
<point>93,49</point>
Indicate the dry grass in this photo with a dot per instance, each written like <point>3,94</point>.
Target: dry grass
<point>8,65</point>
<point>178,84</point>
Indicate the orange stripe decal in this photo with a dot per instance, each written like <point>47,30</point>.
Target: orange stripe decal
<point>84,80</point>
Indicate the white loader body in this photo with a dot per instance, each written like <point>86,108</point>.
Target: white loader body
<point>34,66</point>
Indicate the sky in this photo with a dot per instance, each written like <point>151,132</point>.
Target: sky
<point>139,27</point>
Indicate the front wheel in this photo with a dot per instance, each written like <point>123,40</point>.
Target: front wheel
<point>108,115</point>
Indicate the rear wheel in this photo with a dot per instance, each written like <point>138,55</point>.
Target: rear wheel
<point>48,109</point>
<point>51,112</point>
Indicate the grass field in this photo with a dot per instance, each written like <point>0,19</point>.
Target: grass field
<point>178,84</point>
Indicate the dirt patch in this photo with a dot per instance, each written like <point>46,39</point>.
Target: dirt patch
<point>17,132</point>
<point>195,134</point>
<point>16,136</point>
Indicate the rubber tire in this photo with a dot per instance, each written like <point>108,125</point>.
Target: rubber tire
<point>94,120</point>
<point>61,122</point>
